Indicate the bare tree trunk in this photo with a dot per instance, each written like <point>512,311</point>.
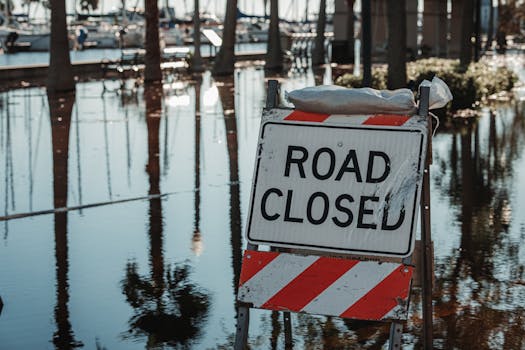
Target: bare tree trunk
<point>318,51</point>
<point>366,42</point>
<point>465,54</point>
<point>60,73</point>
<point>196,60</point>
<point>225,60</point>
<point>274,53</point>
<point>152,71</point>
<point>396,53</point>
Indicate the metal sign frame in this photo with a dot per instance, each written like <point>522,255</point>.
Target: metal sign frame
<point>426,258</point>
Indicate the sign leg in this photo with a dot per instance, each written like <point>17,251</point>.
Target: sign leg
<point>243,323</point>
<point>396,330</point>
<point>272,98</point>
<point>288,342</point>
<point>426,251</point>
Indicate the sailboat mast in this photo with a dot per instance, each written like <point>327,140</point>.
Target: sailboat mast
<point>306,12</point>
<point>124,15</point>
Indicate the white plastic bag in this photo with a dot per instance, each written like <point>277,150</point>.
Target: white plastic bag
<point>439,95</point>
<point>333,99</point>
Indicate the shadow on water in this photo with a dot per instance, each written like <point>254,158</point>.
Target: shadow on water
<point>60,110</point>
<point>168,308</point>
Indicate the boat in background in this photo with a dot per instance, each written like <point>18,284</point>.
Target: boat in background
<point>18,34</point>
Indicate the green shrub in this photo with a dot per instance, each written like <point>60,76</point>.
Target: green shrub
<point>354,81</point>
<point>480,80</point>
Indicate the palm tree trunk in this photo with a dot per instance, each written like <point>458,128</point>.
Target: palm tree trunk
<point>196,60</point>
<point>477,30</point>
<point>396,53</point>
<point>465,54</point>
<point>274,54</point>
<point>152,71</point>
<point>366,40</point>
<point>350,31</point>
<point>60,72</point>
<point>318,51</point>
<point>225,61</point>
<point>490,29</point>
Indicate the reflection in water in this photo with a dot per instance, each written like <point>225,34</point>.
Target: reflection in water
<point>171,314</point>
<point>169,309</point>
<point>60,108</point>
<point>473,295</point>
<point>276,330</point>
<point>6,147</point>
<point>477,193</point>
<point>106,147</point>
<point>196,240</point>
<point>226,88</point>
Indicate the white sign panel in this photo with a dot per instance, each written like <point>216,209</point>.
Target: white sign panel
<point>337,187</point>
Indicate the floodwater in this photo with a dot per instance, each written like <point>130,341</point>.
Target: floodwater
<point>148,253</point>
<point>91,55</point>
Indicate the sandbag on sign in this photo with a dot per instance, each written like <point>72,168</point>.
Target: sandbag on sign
<point>331,99</point>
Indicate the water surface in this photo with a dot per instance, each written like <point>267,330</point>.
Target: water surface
<point>158,186</point>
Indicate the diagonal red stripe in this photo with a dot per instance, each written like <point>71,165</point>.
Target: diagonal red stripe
<point>381,299</point>
<point>309,284</point>
<point>254,261</point>
<point>387,119</point>
<point>306,116</point>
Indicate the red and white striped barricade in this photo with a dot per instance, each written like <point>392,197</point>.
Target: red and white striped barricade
<point>334,184</point>
<point>365,290</point>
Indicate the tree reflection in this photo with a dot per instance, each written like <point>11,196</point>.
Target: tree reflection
<point>226,93</point>
<point>60,108</point>
<point>479,285</point>
<point>197,238</point>
<point>169,309</point>
<point>171,314</point>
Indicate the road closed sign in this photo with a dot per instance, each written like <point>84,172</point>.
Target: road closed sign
<point>347,184</point>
